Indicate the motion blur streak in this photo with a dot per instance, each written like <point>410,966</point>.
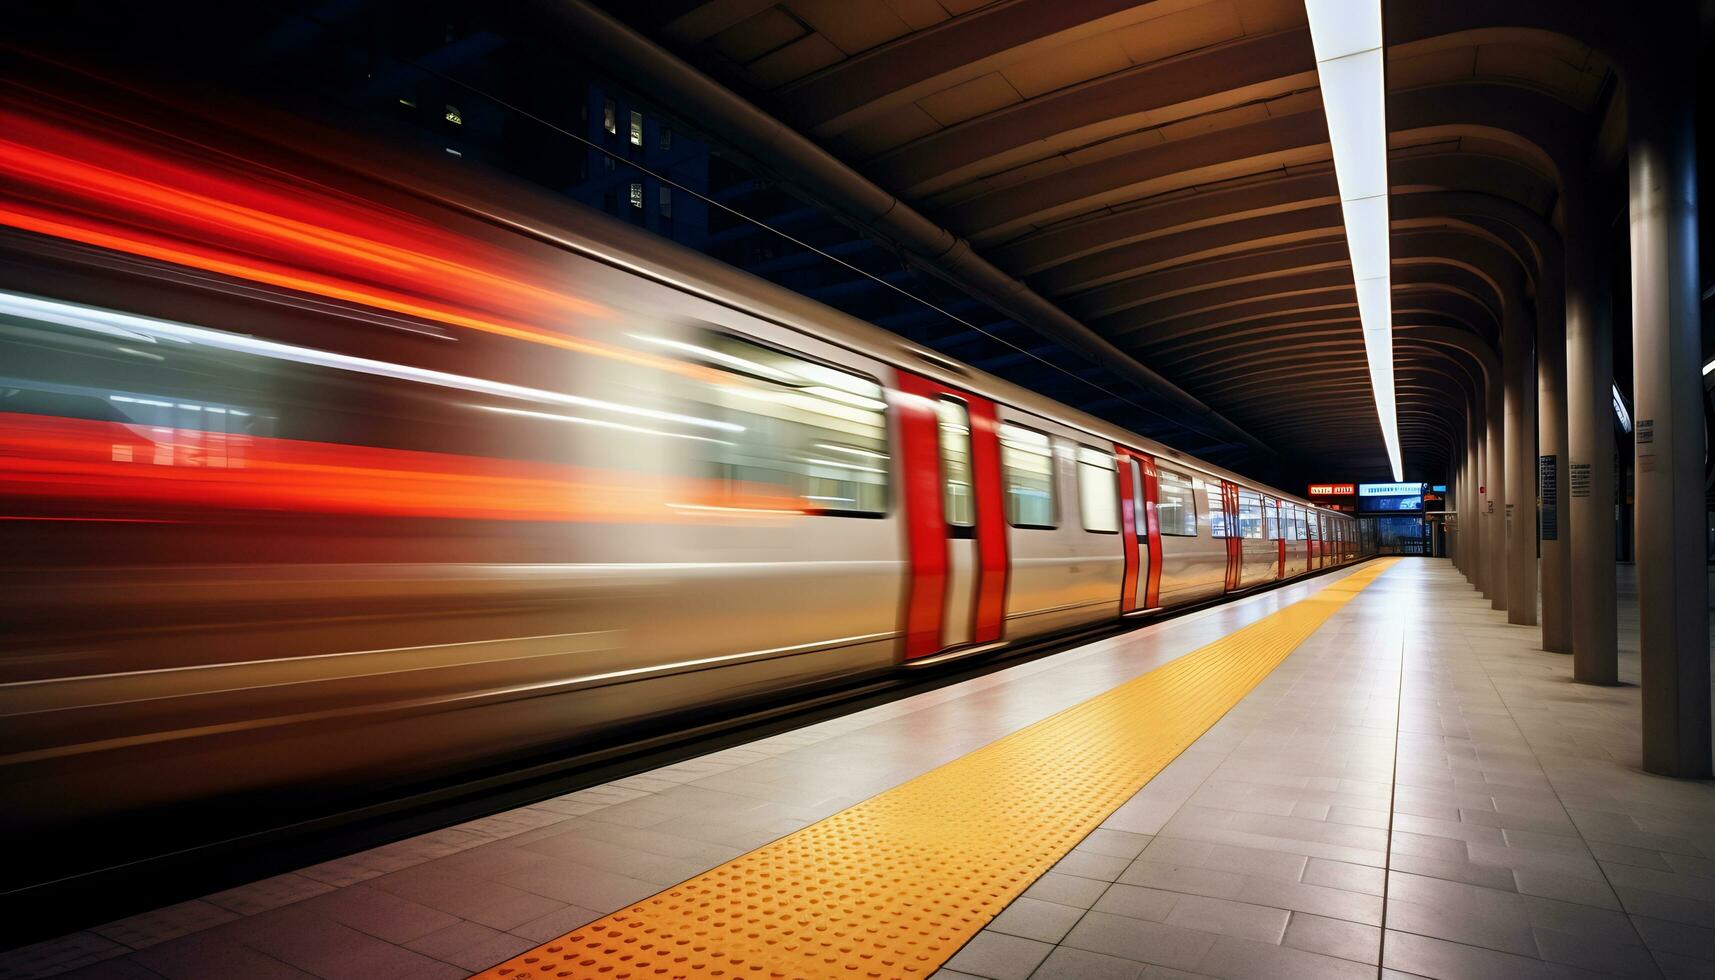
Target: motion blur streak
<point>134,327</point>
<point>316,240</point>
<point>77,462</point>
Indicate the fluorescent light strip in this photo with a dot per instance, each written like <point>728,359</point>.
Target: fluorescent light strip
<point>1347,36</point>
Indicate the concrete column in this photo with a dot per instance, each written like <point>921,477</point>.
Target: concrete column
<point>1494,502</point>
<point>1455,500</point>
<point>1554,531</point>
<point>1589,489</point>
<point>1673,600</point>
<point>1473,503</point>
<point>1483,526</point>
<point>1465,545</point>
<point>1518,371</point>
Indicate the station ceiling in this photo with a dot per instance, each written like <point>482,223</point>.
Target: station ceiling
<point>1161,172</point>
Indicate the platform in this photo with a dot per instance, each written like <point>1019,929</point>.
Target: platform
<point>1325,780</point>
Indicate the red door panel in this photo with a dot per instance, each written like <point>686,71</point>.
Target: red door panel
<point>1128,530</point>
<point>1151,525</point>
<point>926,531</point>
<point>1235,544</point>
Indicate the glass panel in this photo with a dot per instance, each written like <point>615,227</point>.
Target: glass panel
<point>1027,465</point>
<point>1250,515</point>
<point>955,430</point>
<point>1176,506</point>
<point>1098,498</point>
<point>1217,511</point>
<point>795,429</point>
<point>1140,519</point>
<point>1271,518</point>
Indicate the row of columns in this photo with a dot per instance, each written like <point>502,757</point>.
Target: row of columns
<point>1553,400</point>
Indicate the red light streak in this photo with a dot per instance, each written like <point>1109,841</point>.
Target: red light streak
<point>61,464</point>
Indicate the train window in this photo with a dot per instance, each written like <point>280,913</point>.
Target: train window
<point>1217,511</point>
<point>1271,519</point>
<point>1027,466</point>
<point>960,505</point>
<point>1250,514</point>
<point>1176,504</point>
<point>1140,523</point>
<point>1098,491</point>
<point>799,433</point>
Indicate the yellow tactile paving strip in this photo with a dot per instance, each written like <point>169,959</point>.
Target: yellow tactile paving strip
<point>893,886</point>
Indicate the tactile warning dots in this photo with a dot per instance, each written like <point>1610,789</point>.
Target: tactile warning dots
<point>893,886</point>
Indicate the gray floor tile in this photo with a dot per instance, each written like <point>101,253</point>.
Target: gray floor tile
<point>1070,890</point>
<point>1066,963</point>
<point>1135,939</point>
<point>1428,957</point>
<point>1038,920</point>
<point>1241,959</point>
<point>1134,902</point>
<point>470,945</point>
<point>1253,922</point>
<point>999,957</point>
<point>1333,937</point>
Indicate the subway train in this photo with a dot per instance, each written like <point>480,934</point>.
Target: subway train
<point>325,469</point>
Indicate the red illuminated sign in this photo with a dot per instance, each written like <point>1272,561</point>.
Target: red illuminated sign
<point>1333,490</point>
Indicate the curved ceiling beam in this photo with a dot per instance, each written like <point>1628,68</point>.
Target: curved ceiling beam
<point>892,73</point>
<point>970,148</point>
<point>1300,137</point>
<point>1182,290</point>
<point>1072,240</point>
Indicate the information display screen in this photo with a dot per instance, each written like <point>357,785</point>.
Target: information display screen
<point>1390,497</point>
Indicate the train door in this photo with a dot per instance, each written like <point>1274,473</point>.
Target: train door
<point>1271,515</point>
<point>1139,490</point>
<point>1235,540</point>
<point>954,518</point>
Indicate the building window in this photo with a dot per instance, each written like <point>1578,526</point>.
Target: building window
<point>1027,467</point>
<point>955,429</point>
<point>1098,490</point>
<point>664,202</point>
<point>453,116</point>
<point>666,138</point>
<point>610,116</point>
<point>637,129</point>
<point>636,195</point>
<point>1176,506</point>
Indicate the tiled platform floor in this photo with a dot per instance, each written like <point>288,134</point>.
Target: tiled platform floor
<point>1517,840</point>
<point>1418,791</point>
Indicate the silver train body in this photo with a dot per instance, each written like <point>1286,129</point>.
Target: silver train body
<point>278,533</point>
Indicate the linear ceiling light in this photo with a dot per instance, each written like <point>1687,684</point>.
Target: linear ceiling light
<point>1347,35</point>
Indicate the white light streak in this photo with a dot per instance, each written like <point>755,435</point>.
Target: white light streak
<point>1347,36</point>
<point>109,321</point>
<point>599,423</point>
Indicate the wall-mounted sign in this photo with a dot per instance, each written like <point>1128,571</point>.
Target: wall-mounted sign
<point>1389,489</point>
<point>1439,488</point>
<point>1332,489</point>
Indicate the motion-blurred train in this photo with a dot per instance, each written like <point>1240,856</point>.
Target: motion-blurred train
<point>326,470</point>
